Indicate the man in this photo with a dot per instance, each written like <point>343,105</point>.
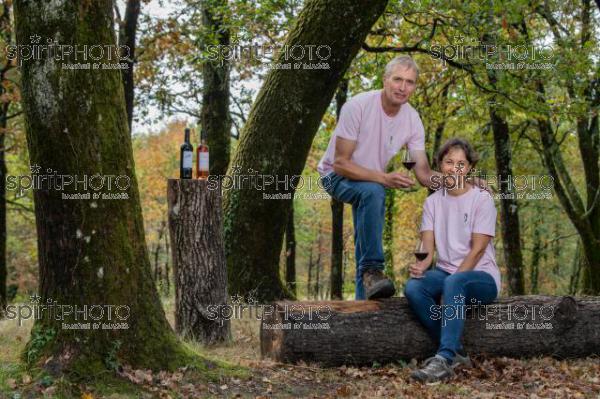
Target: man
<point>372,128</point>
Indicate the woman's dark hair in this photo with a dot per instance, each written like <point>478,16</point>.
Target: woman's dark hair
<point>463,144</point>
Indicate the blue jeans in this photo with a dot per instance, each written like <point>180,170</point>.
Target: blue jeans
<point>445,324</point>
<point>368,210</point>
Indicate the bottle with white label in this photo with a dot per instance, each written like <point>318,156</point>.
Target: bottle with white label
<point>185,157</point>
<point>202,157</point>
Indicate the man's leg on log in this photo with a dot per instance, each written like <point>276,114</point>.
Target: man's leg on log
<point>368,212</point>
<point>472,288</point>
<point>423,294</point>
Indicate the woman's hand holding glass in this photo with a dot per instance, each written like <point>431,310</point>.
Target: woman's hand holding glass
<point>423,255</point>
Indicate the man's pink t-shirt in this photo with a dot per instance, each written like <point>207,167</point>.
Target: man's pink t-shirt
<point>379,137</point>
<point>453,219</point>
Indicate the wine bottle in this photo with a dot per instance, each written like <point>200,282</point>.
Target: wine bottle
<point>202,157</point>
<point>185,157</point>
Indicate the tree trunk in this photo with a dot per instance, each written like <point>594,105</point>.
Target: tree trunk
<point>155,271</point>
<point>337,216</point>
<point>3,266</point>
<point>362,332</point>
<point>167,272</point>
<point>588,135</point>
<point>309,289</point>
<point>579,215</point>
<point>91,252</point>
<point>318,263</point>
<point>278,135</point>
<point>556,248</point>
<point>156,253</point>
<point>576,269</point>
<point>290,253</point>
<point>317,276</point>
<point>388,231</point>
<point>127,32</point>
<point>509,210</point>
<point>337,248</point>
<point>585,215</point>
<point>195,228</point>
<point>441,126</point>
<point>6,32</point>
<point>214,116</point>
<point>535,260</point>
<point>591,267</point>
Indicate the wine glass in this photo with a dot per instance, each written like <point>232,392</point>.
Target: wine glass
<point>407,160</point>
<point>420,253</point>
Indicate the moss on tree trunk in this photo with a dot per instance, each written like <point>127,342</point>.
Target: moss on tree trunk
<point>91,252</point>
<point>277,137</point>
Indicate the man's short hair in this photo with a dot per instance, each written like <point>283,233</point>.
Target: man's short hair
<point>404,60</point>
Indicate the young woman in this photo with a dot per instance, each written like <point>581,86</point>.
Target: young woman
<point>458,223</point>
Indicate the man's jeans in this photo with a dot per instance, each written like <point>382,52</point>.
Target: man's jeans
<point>445,323</point>
<point>368,209</point>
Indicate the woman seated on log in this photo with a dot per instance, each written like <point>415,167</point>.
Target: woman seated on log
<point>459,222</point>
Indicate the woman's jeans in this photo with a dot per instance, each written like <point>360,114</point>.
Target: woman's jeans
<point>445,323</point>
<point>368,211</point>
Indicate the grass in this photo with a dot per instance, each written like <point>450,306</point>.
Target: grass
<point>30,381</point>
<point>13,371</point>
<point>12,341</point>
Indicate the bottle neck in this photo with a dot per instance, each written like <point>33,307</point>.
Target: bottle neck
<point>187,136</point>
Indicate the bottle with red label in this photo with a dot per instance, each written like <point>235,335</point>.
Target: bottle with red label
<point>202,157</point>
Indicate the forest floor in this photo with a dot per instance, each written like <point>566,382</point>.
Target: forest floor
<point>251,377</point>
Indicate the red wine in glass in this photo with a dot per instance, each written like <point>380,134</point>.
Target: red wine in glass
<point>420,252</point>
<point>407,160</point>
<point>409,164</point>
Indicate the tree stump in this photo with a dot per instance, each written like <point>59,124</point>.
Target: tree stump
<point>334,333</point>
<point>199,268</point>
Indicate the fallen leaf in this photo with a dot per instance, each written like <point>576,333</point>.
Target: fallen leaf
<point>343,391</point>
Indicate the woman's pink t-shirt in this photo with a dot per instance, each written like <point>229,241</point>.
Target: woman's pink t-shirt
<point>453,219</point>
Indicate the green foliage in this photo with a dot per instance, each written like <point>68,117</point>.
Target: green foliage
<point>41,336</point>
<point>111,360</point>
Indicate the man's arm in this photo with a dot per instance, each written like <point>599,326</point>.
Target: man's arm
<point>423,172</point>
<point>478,244</point>
<point>344,166</point>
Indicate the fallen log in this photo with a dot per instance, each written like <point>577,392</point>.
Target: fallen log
<point>334,333</point>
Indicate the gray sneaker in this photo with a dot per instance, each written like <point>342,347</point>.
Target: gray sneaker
<point>460,360</point>
<point>434,369</point>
